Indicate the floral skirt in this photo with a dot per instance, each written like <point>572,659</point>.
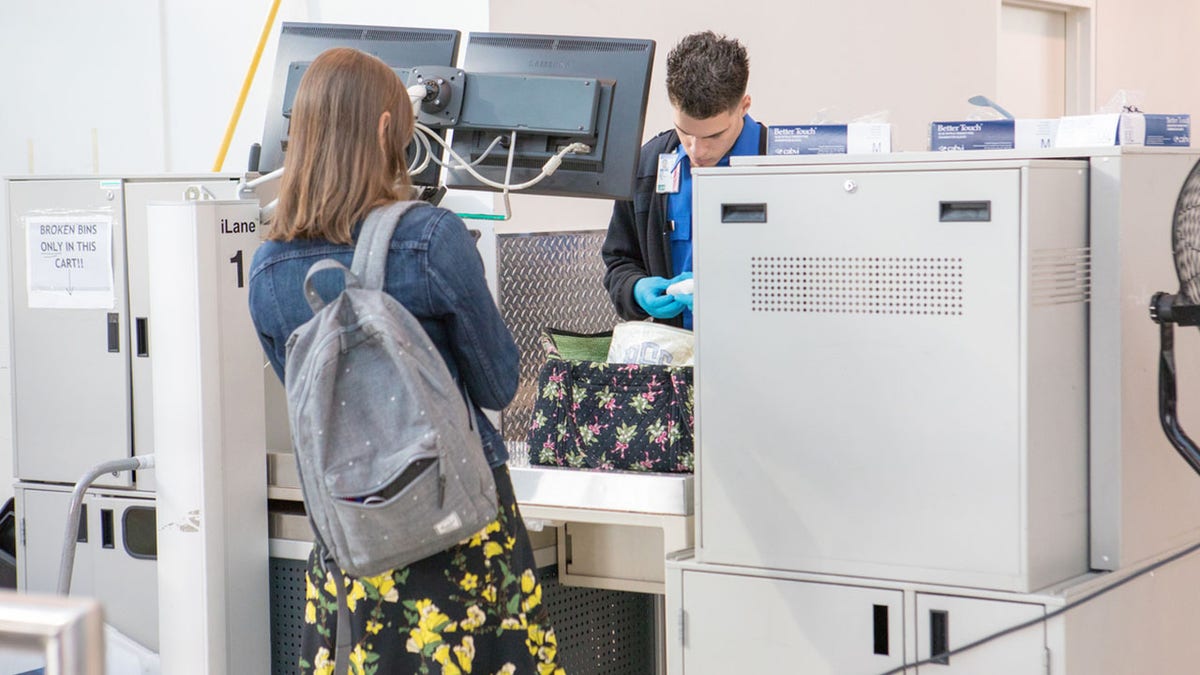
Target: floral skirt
<point>475,608</point>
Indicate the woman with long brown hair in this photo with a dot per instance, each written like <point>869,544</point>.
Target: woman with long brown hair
<point>477,607</point>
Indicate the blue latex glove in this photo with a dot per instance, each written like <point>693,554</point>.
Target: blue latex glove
<point>684,299</point>
<point>650,293</point>
<point>683,276</point>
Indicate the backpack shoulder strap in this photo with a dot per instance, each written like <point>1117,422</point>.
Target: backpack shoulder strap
<point>370,252</point>
<point>310,291</point>
<point>341,652</point>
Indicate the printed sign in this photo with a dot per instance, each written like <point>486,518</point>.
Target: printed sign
<point>68,261</point>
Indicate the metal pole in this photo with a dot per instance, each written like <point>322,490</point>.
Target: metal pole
<point>67,563</point>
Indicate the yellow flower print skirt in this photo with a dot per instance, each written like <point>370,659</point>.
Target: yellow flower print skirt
<point>475,609</point>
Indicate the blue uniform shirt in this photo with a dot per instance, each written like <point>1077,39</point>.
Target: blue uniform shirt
<point>679,204</point>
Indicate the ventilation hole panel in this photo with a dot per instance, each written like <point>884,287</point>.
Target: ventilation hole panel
<point>931,286</point>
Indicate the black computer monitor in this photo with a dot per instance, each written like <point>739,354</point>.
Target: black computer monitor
<point>300,43</point>
<point>623,68</point>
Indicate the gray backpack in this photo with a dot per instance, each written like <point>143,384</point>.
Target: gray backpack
<point>390,461</point>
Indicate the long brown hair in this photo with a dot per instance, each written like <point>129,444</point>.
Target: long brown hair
<point>338,166</point>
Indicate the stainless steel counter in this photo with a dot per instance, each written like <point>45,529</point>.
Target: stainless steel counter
<point>667,494</point>
<point>625,491</point>
<point>605,529</point>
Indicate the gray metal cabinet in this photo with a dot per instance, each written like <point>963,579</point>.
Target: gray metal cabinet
<point>961,459</point>
<point>756,624</point>
<point>728,620</point>
<point>70,366</point>
<point>943,622</point>
<point>892,370</point>
<point>115,554</point>
<point>81,376</point>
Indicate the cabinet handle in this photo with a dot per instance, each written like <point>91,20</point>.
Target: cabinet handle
<point>743,213</point>
<point>106,529</point>
<point>965,212</point>
<point>881,629</point>
<point>143,336</point>
<point>114,332</point>
<point>939,636</point>
<point>82,535</point>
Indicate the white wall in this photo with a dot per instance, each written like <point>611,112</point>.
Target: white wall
<point>144,86</point>
<point>1032,66</point>
<point>1151,46</point>
<point>78,92</point>
<point>148,86</point>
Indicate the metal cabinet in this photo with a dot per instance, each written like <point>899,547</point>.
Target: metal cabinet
<point>944,622</point>
<point>115,554</point>
<point>891,372</point>
<point>81,372</point>
<point>752,624</point>
<point>70,366</point>
<point>728,620</point>
<point>986,448</point>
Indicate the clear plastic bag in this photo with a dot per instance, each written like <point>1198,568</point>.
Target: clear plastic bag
<point>649,343</point>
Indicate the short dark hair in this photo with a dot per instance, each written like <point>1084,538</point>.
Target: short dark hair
<point>707,74</point>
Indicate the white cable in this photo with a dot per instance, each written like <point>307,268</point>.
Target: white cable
<point>548,168</point>
<point>419,132</point>
<point>477,162</point>
<point>512,150</point>
<point>487,151</point>
<point>415,94</point>
<point>423,151</point>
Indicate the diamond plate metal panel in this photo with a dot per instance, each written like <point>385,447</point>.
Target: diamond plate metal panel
<point>547,279</point>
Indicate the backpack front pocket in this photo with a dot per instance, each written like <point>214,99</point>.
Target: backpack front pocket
<point>386,522</point>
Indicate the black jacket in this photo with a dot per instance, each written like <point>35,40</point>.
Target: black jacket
<point>638,243</point>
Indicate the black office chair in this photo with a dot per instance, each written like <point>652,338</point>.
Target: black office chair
<point>1182,308</point>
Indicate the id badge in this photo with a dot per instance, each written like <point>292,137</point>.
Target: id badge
<point>668,173</point>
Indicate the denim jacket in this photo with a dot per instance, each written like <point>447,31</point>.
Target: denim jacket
<point>435,271</point>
